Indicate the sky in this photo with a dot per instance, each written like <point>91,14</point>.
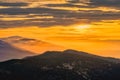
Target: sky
<point>87,25</point>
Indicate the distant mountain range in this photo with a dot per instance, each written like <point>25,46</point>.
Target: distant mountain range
<point>16,47</point>
<point>32,45</point>
<point>7,51</point>
<point>61,65</point>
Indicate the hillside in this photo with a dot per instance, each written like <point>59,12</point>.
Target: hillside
<point>61,65</point>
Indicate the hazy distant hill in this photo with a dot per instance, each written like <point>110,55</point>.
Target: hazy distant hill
<point>8,51</point>
<point>33,45</point>
<point>57,65</point>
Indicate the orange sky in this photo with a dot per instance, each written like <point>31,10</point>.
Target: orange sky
<point>86,25</point>
<point>85,37</point>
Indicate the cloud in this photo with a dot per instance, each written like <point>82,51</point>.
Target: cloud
<point>6,4</point>
<point>51,14</point>
<point>77,1</point>
<point>98,3</point>
<point>105,2</point>
<point>51,17</point>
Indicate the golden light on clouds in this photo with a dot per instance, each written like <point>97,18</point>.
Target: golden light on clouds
<point>102,30</point>
<point>23,17</point>
<point>55,1</point>
<point>105,9</point>
<point>4,7</point>
<point>13,19</point>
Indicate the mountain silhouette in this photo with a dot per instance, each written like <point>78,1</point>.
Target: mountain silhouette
<point>61,65</point>
<point>8,51</point>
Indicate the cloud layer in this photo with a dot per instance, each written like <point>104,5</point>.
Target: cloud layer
<point>45,13</point>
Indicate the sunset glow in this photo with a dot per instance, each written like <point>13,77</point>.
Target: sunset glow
<point>59,39</point>
<point>82,27</point>
<point>85,26</point>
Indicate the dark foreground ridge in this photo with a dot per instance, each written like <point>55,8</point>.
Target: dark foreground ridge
<point>66,65</point>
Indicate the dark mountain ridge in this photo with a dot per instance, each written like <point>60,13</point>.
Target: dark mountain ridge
<point>61,65</point>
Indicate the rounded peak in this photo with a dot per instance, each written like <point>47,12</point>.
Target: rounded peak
<point>51,52</point>
<point>71,51</point>
<point>15,37</point>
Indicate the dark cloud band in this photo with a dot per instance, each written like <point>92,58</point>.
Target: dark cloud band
<point>13,4</point>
